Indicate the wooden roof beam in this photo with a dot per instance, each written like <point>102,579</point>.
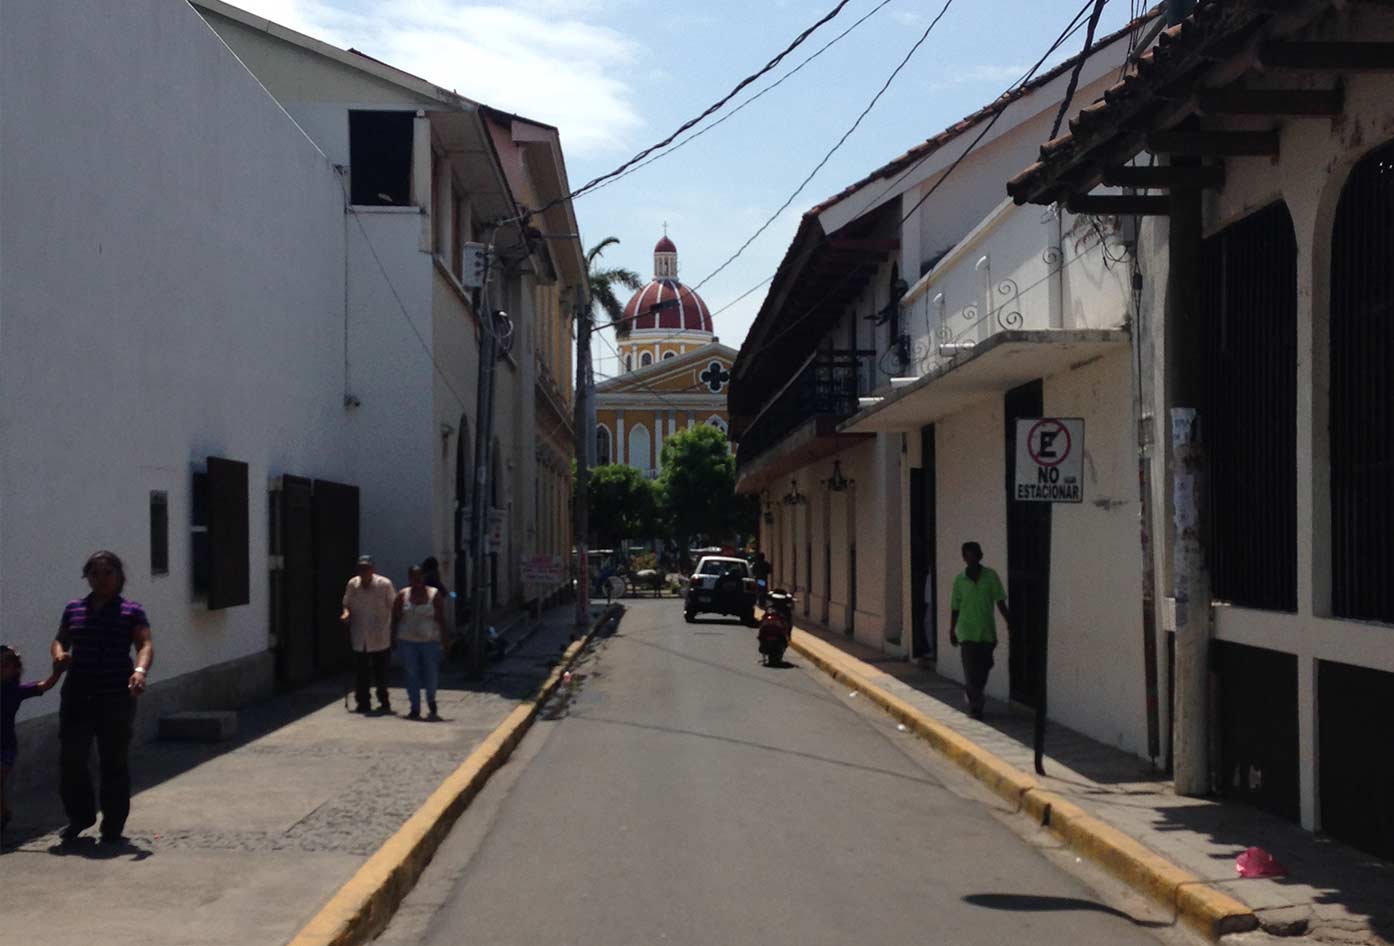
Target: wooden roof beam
<point>1330,57</point>
<point>1216,143</point>
<point>1166,177</point>
<point>1271,101</point>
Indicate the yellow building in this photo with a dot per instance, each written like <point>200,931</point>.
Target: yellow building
<point>673,370</point>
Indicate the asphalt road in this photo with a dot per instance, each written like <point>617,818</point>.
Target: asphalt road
<point>685,794</point>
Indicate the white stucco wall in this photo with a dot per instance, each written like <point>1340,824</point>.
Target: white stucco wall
<point>970,505</point>
<point>1096,646</point>
<point>395,434</point>
<point>171,286</point>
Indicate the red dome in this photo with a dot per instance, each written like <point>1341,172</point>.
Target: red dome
<point>678,308</point>
<point>665,245</point>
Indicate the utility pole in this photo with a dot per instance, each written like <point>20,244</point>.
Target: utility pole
<point>585,391</point>
<point>1189,463</point>
<point>483,462</point>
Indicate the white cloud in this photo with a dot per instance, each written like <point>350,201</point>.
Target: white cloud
<point>546,59</point>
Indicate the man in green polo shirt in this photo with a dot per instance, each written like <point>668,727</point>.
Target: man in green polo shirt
<point>972,628</point>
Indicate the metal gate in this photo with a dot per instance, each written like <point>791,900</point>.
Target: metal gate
<point>335,507</point>
<point>1357,776</point>
<point>1028,561</point>
<point>1249,416</point>
<point>1362,392</point>
<point>1258,727</point>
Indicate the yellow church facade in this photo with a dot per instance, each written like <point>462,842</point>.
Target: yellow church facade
<point>673,371</point>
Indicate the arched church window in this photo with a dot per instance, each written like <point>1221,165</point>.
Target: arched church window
<point>645,360</point>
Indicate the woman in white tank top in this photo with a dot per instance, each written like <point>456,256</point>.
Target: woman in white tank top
<point>418,622</point>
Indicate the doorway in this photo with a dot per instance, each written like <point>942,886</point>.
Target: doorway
<point>335,513</point>
<point>924,622</point>
<point>1028,560</point>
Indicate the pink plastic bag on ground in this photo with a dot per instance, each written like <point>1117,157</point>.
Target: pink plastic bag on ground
<point>1256,862</point>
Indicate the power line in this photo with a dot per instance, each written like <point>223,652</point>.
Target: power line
<point>1079,66</point>
<point>828,157</point>
<point>739,108</point>
<point>1074,25</point>
<point>1069,31</point>
<point>708,111</point>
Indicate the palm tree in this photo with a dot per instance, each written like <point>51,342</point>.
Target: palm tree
<point>604,281</point>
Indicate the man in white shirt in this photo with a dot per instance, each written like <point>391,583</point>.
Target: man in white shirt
<point>368,614</point>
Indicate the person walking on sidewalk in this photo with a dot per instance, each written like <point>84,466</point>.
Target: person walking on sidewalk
<point>972,627</point>
<point>12,693</point>
<point>95,637</point>
<point>418,622</point>
<point>368,601</point>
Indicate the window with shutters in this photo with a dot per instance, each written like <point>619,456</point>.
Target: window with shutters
<point>220,528</point>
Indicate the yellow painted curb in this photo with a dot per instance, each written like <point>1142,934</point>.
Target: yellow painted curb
<point>361,908</point>
<point>1203,908</point>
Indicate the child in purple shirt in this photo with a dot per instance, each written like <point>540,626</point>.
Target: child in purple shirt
<point>12,693</point>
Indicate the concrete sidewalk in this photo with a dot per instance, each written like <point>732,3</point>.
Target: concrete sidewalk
<point>1332,893</point>
<point>242,842</point>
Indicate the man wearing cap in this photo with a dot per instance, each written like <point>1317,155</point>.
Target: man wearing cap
<point>368,614</point>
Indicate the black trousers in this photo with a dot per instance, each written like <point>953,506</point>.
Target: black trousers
<point>365,664</point>
<point>977,663</point>
<point>106,719</point>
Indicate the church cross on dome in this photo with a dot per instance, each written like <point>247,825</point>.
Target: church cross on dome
<point>665,257</point>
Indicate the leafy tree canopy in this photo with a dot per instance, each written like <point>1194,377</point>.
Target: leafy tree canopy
<point>623,505</point>
<point>698,488</point>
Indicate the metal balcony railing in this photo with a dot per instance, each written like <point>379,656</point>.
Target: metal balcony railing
<point>827,386</point>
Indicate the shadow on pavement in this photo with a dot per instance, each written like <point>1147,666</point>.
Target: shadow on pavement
<point>91,849</point>
<point>1033,903</point>
<point>1339,876</point>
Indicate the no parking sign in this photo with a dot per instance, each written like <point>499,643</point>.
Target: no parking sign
<point>1050,460</point>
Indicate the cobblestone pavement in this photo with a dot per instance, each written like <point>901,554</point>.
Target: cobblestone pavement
<point>250,837</point>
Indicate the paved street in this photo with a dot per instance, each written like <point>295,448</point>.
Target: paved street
<point>685,794</point>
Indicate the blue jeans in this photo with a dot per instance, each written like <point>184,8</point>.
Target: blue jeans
<point>421,661</point>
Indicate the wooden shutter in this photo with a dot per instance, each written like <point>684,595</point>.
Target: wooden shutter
<point>229,566</point>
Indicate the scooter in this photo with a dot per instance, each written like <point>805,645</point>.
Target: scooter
<point>776,627</point>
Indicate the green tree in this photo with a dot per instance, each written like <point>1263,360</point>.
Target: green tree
<point>605,280</point>
<point>697,489</point>
<point>623,505</point>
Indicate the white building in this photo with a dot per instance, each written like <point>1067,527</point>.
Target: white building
<point>427,171</point>
<point>916,316</point>
<point>1266,260</point>
<point>217,364</point>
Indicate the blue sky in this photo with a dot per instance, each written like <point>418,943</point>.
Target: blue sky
<point>618,75</point>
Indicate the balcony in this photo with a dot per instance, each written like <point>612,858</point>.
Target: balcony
<point>1024,295</point>
<point>800,424</point>
<point>1020,270</point>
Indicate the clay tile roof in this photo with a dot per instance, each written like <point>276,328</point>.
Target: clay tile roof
<point>930,145</point>
<point>1102,132</point>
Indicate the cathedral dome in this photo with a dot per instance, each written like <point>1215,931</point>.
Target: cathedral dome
<point>665,303</point>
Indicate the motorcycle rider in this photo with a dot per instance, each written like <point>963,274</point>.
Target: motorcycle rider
<point>776,627</point>
<point>760,570</point>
